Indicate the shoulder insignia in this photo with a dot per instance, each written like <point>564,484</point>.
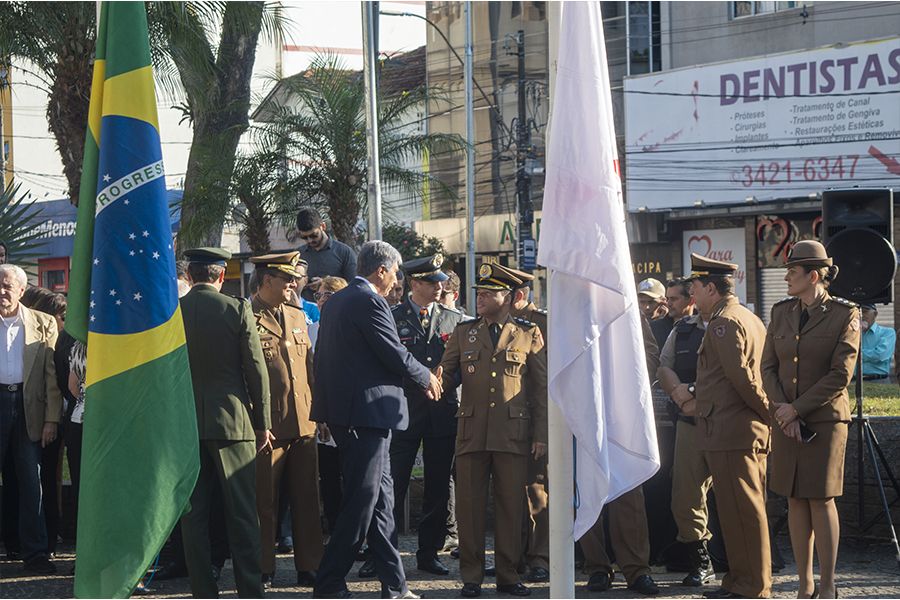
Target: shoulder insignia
<point>719,331</point>
<point>469,323</point>
<point>398,307</point>
<point>524,322</point>
<point>844,301</point>
<point>542,311</point>
<point>783,300</point>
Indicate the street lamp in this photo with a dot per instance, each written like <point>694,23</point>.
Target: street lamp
<point>470,141</point>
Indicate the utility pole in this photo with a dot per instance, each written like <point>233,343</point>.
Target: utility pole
<point>370,65</point>
<point>527,248</point>
<point>470,166</point>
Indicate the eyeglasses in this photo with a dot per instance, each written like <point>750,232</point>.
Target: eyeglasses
<point>322,295</point>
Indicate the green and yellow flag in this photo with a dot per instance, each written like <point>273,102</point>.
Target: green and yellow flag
<point>140,454</point>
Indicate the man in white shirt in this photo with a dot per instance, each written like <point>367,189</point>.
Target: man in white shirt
<point>30,407</point>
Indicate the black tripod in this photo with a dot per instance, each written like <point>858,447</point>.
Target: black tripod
<point>866,437</point>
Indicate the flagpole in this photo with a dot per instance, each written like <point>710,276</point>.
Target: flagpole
<point>561,460</point>
<point>370,64</point>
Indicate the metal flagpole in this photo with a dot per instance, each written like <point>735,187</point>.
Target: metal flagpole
<point>369,14</point>
<point>470,167</point>
<point>561,460</point>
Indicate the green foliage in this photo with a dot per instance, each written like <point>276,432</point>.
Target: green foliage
<point>19,227</point>
<point>409,243</point>
<point>324,139</point>
<point>879,399</point>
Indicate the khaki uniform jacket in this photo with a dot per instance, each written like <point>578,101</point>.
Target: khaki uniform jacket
<point>231,386</point>
<point>504,389</point>
<point>289,360</point>
<point>811,369</point>
<point>536,315</point>
<point>732,409</point>
<point>42,398</point>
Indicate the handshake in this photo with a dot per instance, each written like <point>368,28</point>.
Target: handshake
<point>435,388</point>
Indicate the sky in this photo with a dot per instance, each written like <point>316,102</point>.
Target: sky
<point>313,26</point>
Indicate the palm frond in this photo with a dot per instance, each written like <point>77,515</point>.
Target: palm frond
<point>19,226</point>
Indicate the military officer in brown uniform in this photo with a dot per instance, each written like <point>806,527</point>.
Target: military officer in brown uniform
<point>627,518</point>
<point>809,357</point>
<point>732,415</point>
<point>536,540</point>
<point>288,353</point>
<point>501,425</point>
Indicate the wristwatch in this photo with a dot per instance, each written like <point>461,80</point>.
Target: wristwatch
<point>692,389</point>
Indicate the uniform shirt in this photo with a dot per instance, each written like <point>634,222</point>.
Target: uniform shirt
<point>13,357</point>
<point>667,355</point>
<point>334,258</point>
<point>877,349</point>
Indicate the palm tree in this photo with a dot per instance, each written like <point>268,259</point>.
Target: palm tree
<point>203,54</point>
<point>19,226</point>
<point>325,143</point>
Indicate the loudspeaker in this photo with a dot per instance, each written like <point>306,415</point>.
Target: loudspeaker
<point>858,232</point>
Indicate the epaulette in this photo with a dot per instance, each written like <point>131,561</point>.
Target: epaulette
<point>542,311</point>
<point>292,305</point>
<point>845,302</point>
<point>453,310</point>
<point>397,307</point>
<point>524,322</point>
<point>783,300</point>
<point>469,323</point>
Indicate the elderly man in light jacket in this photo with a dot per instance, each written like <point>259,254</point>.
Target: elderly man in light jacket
<point>30,407</point>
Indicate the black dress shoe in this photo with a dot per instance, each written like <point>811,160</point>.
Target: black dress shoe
<point>450,542</point>
<point>490,571</point>
<point>699,578</point>
<point>644,585</point>
<point>170,570</point>
<point>306,578</point>
<point>13,555</point>
<point>513,589</point>
<point>538,575</point>
<point>267,580</point>
<point>344,593</point>
<point>389,593</point>
<point>720,593</point>
<point>470,590</point>
<point>39,566</point>
<point>367,571</point>
<point>599,581</point>
<point>432,565</point>
<point>363,554</point>
<point>455,553</point>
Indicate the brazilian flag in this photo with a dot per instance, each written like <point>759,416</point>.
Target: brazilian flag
<point>140,454</point>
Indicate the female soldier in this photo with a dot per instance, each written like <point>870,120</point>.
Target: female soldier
<point>808,360</point>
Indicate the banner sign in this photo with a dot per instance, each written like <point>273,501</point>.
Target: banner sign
<point>778,126</point>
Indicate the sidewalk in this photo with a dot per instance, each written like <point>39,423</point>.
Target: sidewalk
<point>865,570</point>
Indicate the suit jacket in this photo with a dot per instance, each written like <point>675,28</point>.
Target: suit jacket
<point>231,384</point>
<point>289,359</point>
<point>42,398</point>
<point>811,368</point>
<point>360,363</point>
<point>732,409</point>
<point>504,396</point>
<point>427,417</point>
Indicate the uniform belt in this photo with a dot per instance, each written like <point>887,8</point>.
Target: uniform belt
<point>11,387</point>
<point>687,419</point>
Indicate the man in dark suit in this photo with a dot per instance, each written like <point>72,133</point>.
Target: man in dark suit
<point>360,408</point>
<point>231,391</point>
<point>425,326</point>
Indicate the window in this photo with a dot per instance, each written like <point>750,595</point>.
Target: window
<point>749,9</point>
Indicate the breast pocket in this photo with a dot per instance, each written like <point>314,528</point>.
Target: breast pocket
<point>301,340</point>
<point>515,363</point>
<point>468,363</point>
<point>269,347</point>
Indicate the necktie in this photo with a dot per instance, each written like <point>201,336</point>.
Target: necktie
<point>423,318</point>
<point>494,330</point>
<point>804,317</point>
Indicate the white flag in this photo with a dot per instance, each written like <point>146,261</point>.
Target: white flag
<point>597,372</point>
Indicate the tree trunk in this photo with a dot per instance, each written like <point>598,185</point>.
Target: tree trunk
<point>218,126</point>
<point>343,211</point>
<point>67,107</point>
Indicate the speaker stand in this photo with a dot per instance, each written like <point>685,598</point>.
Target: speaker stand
<point>866,442</point>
